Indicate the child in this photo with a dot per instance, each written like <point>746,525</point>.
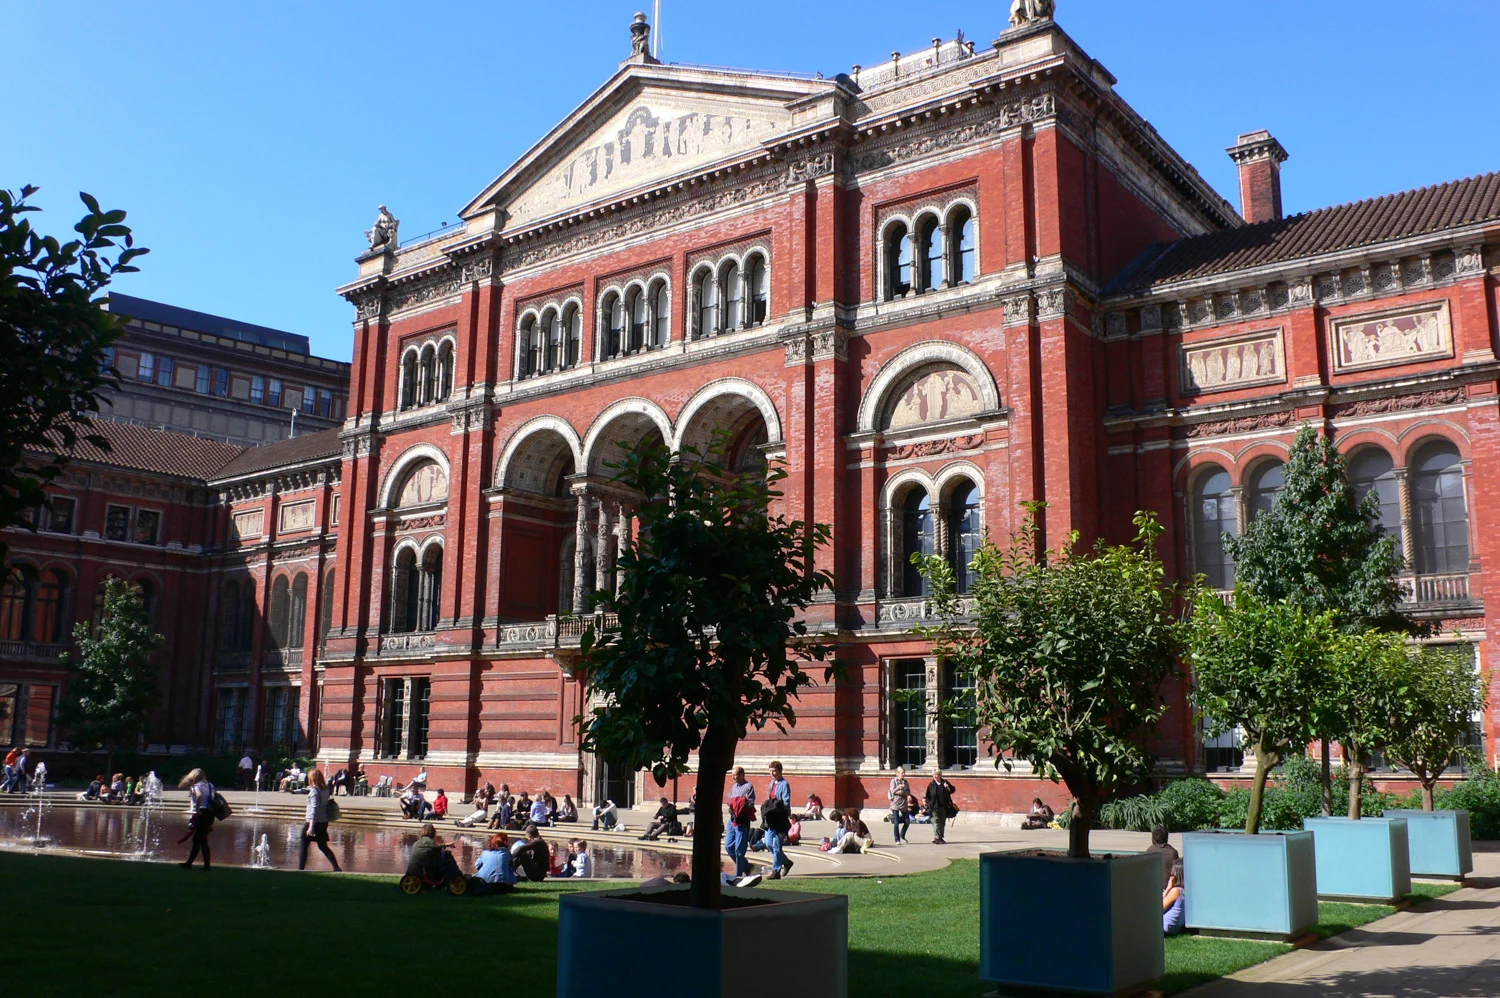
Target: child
<point>814,808</point>
<point>583,863</point>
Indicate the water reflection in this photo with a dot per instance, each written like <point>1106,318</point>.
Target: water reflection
<point>119,831</point>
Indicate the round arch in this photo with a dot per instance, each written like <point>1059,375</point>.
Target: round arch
<point>1429,431</point>
<point>720,389</point>
<point>636,410</point>
<point>919,355</point>
<point>410,458</point>
<point>524,434</point>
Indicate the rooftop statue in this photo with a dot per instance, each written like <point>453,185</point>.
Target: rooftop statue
<point>1030,11</point>
<point>382,235</point>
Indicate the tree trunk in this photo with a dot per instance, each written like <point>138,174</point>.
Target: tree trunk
<point>1084,806</point>
<point>714,759</point>
<point>1354,758</point>
<point>1327,778</point>
<point>1265,759</point>
<point>1427,794</point>
<point>109,763</point>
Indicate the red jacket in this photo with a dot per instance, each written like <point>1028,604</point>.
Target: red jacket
<point>440,806</point>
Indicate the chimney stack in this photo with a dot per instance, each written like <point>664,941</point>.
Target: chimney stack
<point>1259,157</point>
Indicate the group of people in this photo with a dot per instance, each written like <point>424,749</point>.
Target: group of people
<point>935,808</point>
<point>17,780</point>
<point>502,863</point>
<point>1173,900</point>
<point>121,789</point>
<point>499,810</point>
<point>775,822</point>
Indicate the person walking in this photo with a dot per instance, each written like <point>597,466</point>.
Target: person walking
<point>317,820</point>
<point>939,805</point>
<point>741,814</point>
<point>201,814</point>
<point>777,819</point>
<point>246,772</point>
<point>18,780</point>
<point>897,794</point>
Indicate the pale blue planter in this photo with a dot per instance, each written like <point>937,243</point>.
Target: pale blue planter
<point>1438,842</point>
<point>1258,885</point>
<point>603,937</point>
<point>1364,860</point>
<point>1096,931</point>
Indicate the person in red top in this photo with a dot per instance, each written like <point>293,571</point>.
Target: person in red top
<point>440,804</point>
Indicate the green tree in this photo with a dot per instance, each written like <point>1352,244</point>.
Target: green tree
<point>1323,549</point>
<point>709,642</point>
<point>1069,649</point>
<point>1261,667</point>
<point>113,684</point>
<point>1443,694</point>
<point>1370,685</point>
<point>53,338</point>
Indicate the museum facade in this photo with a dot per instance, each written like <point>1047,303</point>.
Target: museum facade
<point>935,288</point>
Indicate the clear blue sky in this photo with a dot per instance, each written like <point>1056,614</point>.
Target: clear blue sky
<point>251,142</point>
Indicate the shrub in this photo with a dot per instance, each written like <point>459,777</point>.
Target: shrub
<point>1190,804</point>
<point>1133,814</point>
<point>1480,796</point>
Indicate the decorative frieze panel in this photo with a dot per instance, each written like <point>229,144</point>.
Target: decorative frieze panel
<point>250,523</point>
<point>917,610</point>
<point>1240,424</point>
<point>1398,336</point>
<point>932,448</point>
<point>1234,362</point>
<point>391,643</point>
<point>298,516</point>
<point>1399,403</point>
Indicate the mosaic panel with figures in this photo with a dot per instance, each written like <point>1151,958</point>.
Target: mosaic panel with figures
<point>933,396</point>
<point>1236,362</point>
<point>1392,337</point>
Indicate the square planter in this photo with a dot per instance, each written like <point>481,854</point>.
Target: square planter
<point>1259,885</point>
<point>1096,931</point>
<point>1364,860</point>
<point>1438,842</point>
<point>603,937</point>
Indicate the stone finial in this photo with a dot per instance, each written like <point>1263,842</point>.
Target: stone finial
<point>640,41</point>
<point>1024,12</point>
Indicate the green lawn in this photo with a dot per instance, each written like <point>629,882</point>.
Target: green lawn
<point>100,927</point>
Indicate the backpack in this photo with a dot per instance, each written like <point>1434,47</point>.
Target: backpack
<point>221,808</point>
<point>333,813</point>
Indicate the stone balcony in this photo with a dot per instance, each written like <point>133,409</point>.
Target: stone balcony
<point>32,651</point>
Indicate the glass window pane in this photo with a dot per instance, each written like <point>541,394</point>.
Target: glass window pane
<point>917,538</point>
<point>909,714</point>
<point>1266,483</point>
<point>1442,520</point>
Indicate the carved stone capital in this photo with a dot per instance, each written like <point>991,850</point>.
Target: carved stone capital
<point>1019,310</point>
<point>1055,303</point>
<point>1299,293</point>
<point>811,168</point>
<point>1468,260</point>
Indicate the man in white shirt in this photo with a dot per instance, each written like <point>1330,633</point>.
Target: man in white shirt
<point>247,771</point>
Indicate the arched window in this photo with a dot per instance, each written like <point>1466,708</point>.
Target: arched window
<point>1264,485</point>
<point>544,351</point>
<point>247,615</point>
<point>916,538</point>
<point>524,348</point>
<point>614,321</point>
<point>930,240</point>
<point>898,261</point>
<point>281,605</point>
<point>637,320</point>
<point>18,604</point>
<point>1213,517</point>
<point>708,304</point>
<point>573,328</point>
<point>229,618</point>
<point>325,608</point>
<point>961,245</point>
<point>431,587</point>
<point>428,365</point>
<point>734,298</point>
<point>760,289</point>
<point>409,379</point>
<point>51,607</point>
<point>296,618</point>
<point>963,533</point>
<point>1442,516</point>
<point>445,370</point>
<point>405,587</point>
<point>661,315</point>
<point>1372,470</point>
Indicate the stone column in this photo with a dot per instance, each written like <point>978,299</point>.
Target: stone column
<point>945,256</point>
<point>622,539</point>
<point>934,702</point>
<point>406,719</point>
<point>601,550</point>
<point>890,554</point>
<point>1408,520</point>
<point>580,548</point>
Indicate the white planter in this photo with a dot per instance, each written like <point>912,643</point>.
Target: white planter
<point>603,937</point>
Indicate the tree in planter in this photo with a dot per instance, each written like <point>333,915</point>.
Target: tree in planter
<point>1069,649</point>
<point>53,338</point>
<point>1443,694</point>
<point>114,685</point>
<point>1322,548</point>
<point>1369,685</point>
<point>1260,666</point>
<point>708,642</point>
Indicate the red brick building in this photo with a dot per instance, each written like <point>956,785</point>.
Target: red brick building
<point>935,288</point>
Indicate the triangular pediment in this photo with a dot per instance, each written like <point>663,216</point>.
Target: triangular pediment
<point>646,126</point>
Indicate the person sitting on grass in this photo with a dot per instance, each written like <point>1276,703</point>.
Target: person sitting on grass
<point>1040,815</point>
<point>430,860</point>
<point>1173,903</point>
<point>664,822</point>
<point>668,880</point>
<point>567,810</point>
<point>813,809</point>
<point>583,863</point>
<point>95,790</point>
<point>1168,852</point>
<point>495,873</point>
<point>532,855</point>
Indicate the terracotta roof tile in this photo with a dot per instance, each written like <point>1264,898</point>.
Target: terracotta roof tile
<point>143,448</point>
<point>298,449</point>
<point>1347,226</point>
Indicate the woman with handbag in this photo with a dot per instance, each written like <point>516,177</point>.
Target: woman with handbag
<point>898,793</point>
<point>317,820</point>
<point>201,814</point>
